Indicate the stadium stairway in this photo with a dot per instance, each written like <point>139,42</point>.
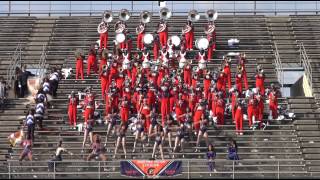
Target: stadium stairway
<point>279,140</point>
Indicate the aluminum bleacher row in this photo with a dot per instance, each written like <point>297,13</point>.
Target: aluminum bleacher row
<point>286,141</point>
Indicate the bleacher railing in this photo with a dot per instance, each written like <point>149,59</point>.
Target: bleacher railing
<point>41,71</point>
<point>97,7</point>
<point>15,61</point>
<point>279,69</point>
<point>191,168</point>
<point>305,62</point>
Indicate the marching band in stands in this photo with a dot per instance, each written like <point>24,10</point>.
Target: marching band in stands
<point>161,92</point>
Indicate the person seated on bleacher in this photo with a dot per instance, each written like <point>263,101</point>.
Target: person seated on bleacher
<point>57,156</point>
<point>233,150</point>
<point>97,150</point>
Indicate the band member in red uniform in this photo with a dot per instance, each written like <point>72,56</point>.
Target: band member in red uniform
<point>194,80</point>
<point>140,30</point>
<point>192,101</point>
<point>234,99</point>
<point>273,102</point>
<point>145,62</point>
<point>126,64</point>
<point>173,97</point>
<point>260,108</point>
<point>260,77</point>
<point>103,29</point>
<point>199,110</point>
<point>211,36</point>
<point>188,30</point>
<point>156,46</point>
<point>113,70</point>
<point>88,104</point>
<point>221,83</point>
<point>180,106</point>
<point>206,84</point>
<point>213,95</point>
<point>161,75</point>
<point>115,93</point>
<point>120,82</point>
<point>242,61</point>
<point>151,95</point>
<point>91,62</point>
<point>79,64</point>
<point>134,72</point>
<point>163,32</point>
<point>187,71</point>
<point>227,70</point>
<point>252,110</point>
<point>220,108</point>
<point>124,110</point>
<point>239,81</point>
<point>72,109</point>
<point>104,81</point>
<point>239,118</point>
<point>127,92</point>
<point>121,27</point>
<point>164,54</point>
<point>164,98</point>
<point>103,59</point>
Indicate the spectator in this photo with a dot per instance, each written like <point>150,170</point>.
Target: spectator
<point>3,93</point>
<point>57,156</point>
<point>23,81</point>
<point>233,151</point>
<point>211,155</point>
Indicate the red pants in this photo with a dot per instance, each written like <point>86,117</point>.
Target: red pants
<point>239,120</point>
<point>239,86</point>
<point>211,51</point>
<point>91,62</point>
<point>245,79</point>
<point>233,111</point>
<point>163,38</point>
<point>104,40</point>
<point>123,45</point>
<point>213,108</point>
<point>261,89</point>
<point>274,109</point>
<point>220,115</point>
<point>104,86</point>
<point>164,109</point>
<point>187,77</point>
<point>260,111</point>
<point>102,63</point>
<point>155,51</point>
<point>79,69</point>
<point>228,78</point>
<point>124,113</point>
<point>172,101</point>
<point>87,112</point>
<point>189,40</point>
<point>140,44</point>
<point>251,112</point>
<point>72,112</point>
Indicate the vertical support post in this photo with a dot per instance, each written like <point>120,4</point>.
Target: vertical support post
<point>131,5</point>
<point>278,169</point>
<point>50,8</point>
<point>90,8</point>
<point>9,8</point>
<point>99,170</point>
<point>232,169</point>
<point>29,8</point>
<point>9,169</point>
<point>255,8</point>
<point>70,8</point>
<point>54,169</point>
<point>188,169</point>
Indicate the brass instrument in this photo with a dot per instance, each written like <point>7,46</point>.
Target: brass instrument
<point>104,26</point>
<point>124,15</point>
<point>211,15</point>
<point>193,16</point>
<point>120,27</point>
<point>210,29</point>
<point>107,16</point>
<point>145,17</point>
<point>162,27</point>
<point>187,28</point>
<point>165,13</point>
<point>140,28</point>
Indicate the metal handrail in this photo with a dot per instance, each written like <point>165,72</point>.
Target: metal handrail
<point>279,68</point>
<point>42,63</point>
<point>305,62</point>
<point>15,61</point>
<point>187,167</point>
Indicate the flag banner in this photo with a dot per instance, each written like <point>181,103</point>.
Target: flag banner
<point>150,168</point>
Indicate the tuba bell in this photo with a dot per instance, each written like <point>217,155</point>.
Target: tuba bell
<point>107,16</point>
<point>145,17</point>
<point>165,13</point>
<point>211,15</point>
<point>193,16</point>
<point>124,15</point>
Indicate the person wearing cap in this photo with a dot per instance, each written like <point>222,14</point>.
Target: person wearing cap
<point>91,62</point>
<point>220,108</point>
<point>260,108</point>
<point>163,33</point>
<point>72,109</point>
<point>189,35</point>
<point>260,77</point>
<point>140,31</point>
<point>241,63</point>
<point>194,80</point>
<point>227,70</point>
<point>156,46</point>
<point>239,118</point>
<point>113,70</point>
<point>273,102</point>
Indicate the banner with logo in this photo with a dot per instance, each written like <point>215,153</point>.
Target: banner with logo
<point>151,168</point>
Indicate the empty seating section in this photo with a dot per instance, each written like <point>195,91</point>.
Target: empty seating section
<point>282,140</point>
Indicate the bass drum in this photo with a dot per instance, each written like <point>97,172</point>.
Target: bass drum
<point>202,43</point>
<point>120,38</point>
<point>175,40</point>
<point>148,39</point>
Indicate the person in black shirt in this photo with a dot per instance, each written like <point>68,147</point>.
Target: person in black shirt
<point>23,81</point>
